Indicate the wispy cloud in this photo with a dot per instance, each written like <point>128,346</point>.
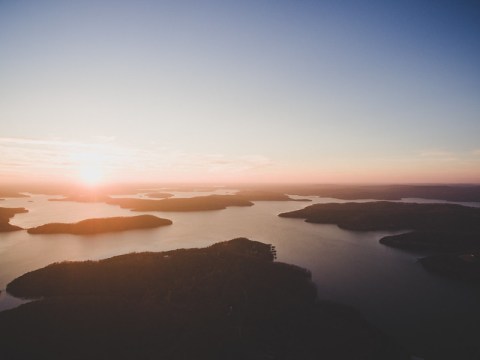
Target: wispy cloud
<point>438,155</point>
<point>57,157</point>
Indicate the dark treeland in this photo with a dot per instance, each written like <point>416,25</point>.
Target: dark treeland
<point>226,301</point>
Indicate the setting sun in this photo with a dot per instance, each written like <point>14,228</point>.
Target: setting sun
<point>90,166</point>
<point>91,175</point>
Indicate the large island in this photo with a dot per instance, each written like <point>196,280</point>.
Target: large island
<point>227,301</point>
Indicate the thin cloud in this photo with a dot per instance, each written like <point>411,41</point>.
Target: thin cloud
<point>439,155</point>
<point>49,157</point>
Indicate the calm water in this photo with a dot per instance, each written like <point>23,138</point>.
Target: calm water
<point>388,286</point>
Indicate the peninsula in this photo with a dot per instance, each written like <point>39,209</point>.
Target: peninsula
<point>6,193</point>
<point>384,215</point>
<point>452,230</point>
<point>226,301</point>
<point>101,225</point>
<point>6,214</point>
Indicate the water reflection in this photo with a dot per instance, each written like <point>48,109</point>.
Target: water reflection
<point>387,285</point>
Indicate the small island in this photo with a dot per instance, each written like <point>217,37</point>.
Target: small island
<point>102,225</point>
<point>227,301</point>
<point>5,215</point>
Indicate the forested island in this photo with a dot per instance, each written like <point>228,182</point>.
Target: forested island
<point>6,214</point>
<point>102,225</point>
<point>226,301</point>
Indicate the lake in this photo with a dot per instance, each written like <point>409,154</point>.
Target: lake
<point>424,312</point>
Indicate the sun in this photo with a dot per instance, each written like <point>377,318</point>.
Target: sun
<point>91,175</point>
<point>90,167</point>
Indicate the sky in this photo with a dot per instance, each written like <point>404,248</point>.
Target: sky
<point>240,91</point>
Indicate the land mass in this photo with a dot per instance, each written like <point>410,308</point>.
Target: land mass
<point>454,192</point>
<point>6,214</point>
<point>6,193</point>
<point>459,193</point>
<point>465,266</point>
<point>198,203</point>
<point>102,225</point>
<point>263,195</point>
<point>159,195</point>
<point>227,301</point>
<point>453,230</point>
<point>384,215</point>
<point>84,198</point>
<point>438,241</point>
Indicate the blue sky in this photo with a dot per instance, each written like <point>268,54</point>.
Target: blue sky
<point>311,91</point>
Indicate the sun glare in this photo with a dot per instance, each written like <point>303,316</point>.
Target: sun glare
<point>91,175</point>
<point>90,167</point>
